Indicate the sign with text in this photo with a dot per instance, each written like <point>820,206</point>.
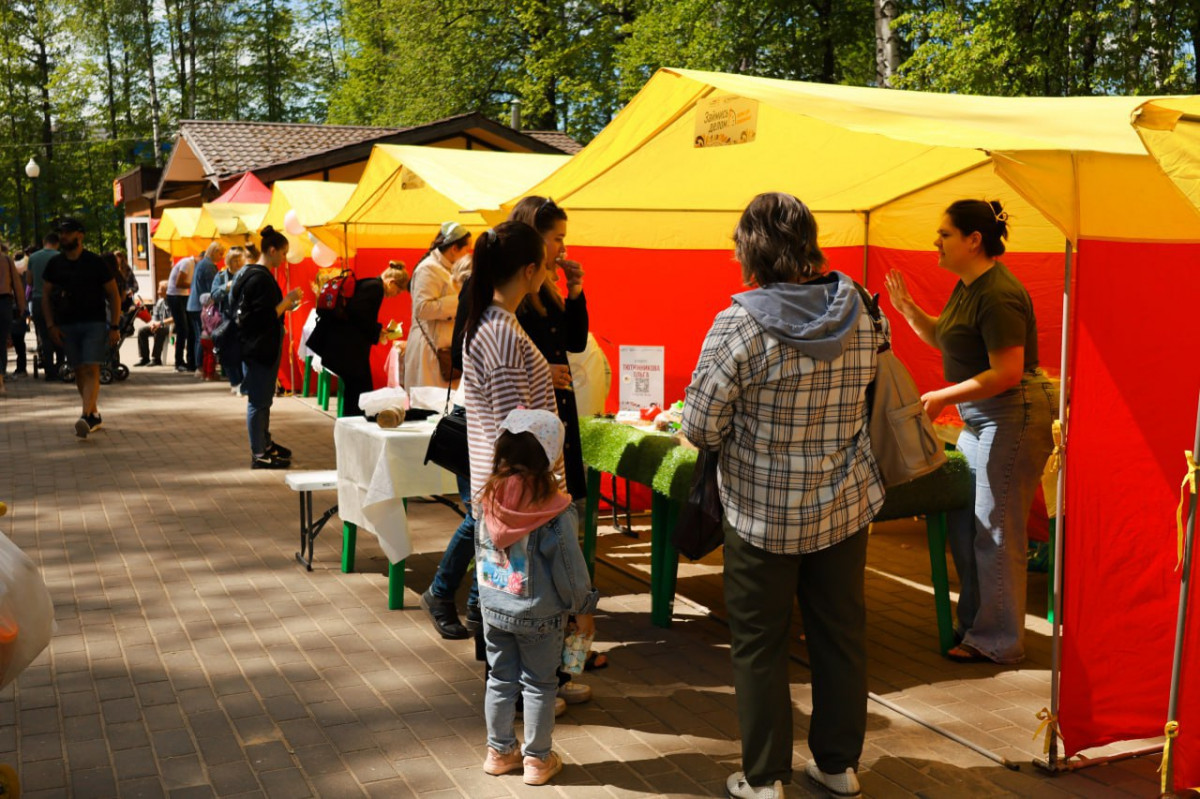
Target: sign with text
<point>726,119</point>
<point>641,377</point>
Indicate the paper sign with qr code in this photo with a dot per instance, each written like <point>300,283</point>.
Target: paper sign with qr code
<point>641,377</point>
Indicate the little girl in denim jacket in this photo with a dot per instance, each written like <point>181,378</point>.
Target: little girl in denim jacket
<point>531,575</point>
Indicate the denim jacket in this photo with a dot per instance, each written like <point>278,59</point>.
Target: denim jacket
<point>531,586</point>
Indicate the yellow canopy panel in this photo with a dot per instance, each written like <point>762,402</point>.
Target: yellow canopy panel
<point>314,201</point>
<point>407,191</point>
<point>680,162</point>
<point>1170,129</point>
<point>175,231</point>
<point>232,223</point>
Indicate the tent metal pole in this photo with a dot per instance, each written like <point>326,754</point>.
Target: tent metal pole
<point>866,245</point>
<point>1181,622</point>
<point>1060,528</point>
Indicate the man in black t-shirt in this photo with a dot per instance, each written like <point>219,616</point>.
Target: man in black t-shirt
<point>75,286</point>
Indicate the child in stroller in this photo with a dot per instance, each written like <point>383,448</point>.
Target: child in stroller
<point>112,368</point>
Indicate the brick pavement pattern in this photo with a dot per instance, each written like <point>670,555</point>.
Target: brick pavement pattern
<point>195,658</point>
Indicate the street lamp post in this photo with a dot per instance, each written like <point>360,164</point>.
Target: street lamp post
<point>33,170</point>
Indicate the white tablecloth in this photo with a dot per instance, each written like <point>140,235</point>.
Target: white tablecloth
<point>377,469</point>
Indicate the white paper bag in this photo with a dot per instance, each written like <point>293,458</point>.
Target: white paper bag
<point>26,612</point>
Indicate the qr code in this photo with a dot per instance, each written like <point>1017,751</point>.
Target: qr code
<point>641,383</point>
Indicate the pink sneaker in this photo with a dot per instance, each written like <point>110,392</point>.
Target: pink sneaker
<point>541,771</point>
<point>497,764</point>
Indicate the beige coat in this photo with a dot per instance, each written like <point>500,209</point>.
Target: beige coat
<point>435,301</point>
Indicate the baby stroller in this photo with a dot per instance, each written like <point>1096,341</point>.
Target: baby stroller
<point>112,368</point>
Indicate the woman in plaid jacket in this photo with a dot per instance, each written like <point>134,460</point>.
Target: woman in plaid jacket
<point>780,392</point>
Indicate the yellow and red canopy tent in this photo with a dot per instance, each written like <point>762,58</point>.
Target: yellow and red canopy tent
<point>651,214</point>
<point>175,231</point>
<point>406,192</point>
<point>231,223</point>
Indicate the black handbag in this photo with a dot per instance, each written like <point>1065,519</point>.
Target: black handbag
<point>701,525</point>
<point>448,444</point>
<point>222,335</point>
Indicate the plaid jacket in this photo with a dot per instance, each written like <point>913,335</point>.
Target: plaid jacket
<point>797,473</point>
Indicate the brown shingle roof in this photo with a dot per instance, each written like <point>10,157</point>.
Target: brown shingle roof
<point>230,148</point>
<point>555,139</point>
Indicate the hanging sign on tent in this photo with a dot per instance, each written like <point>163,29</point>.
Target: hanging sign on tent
<point>641,377</point>
<point>726,119</point>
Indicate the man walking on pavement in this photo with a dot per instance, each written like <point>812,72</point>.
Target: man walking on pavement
<point>75,286</point>
<point>50,354</point>
<point>178,286</point>
<point>202,280</point>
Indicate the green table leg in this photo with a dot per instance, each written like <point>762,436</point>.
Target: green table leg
<point>396,586</point>
<point>304,392</point>
<point>935,527</point>
<point>591,510</point>
<point>349,539</point>
<point>664,560</point>
<point>323,390</point>
<point>341,399</point>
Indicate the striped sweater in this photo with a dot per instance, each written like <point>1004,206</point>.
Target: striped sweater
<point>502,369</point>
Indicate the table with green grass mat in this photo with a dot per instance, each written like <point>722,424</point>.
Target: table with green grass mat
<point>659,461</point>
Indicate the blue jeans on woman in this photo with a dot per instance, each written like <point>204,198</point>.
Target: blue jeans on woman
<point>259,384</point>
<point>1006,440</point>
<point>524,664</point>
<point>456,560</point>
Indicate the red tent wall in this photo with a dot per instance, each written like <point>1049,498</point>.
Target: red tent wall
<point>1134,388</point>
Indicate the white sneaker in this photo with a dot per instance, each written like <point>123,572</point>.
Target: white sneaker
<point>843,786</point>
<point>736,787</point>
<point>574,693</point>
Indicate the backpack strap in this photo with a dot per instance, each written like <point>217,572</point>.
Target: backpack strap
<point>871,304</point>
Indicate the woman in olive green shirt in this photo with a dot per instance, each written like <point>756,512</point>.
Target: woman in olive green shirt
<point>987,334</point>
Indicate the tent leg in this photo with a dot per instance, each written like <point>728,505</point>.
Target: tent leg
<point>1168,766</point>
<point>1060,526</point>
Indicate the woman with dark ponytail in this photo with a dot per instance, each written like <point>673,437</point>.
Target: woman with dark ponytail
<point>501,370</point>
<point>987,334</point>
<point>259,306</point>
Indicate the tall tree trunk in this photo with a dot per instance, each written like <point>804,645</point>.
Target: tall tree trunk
<point>155,106</point>
<point>19,176</point>
<point>192,45</point>
<point>824,9</point>
<point>110,83</point>
<point>887,43</point>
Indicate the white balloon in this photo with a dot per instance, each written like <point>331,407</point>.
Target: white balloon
<point>295,255</point>
<point>323,256</point>
<point>291,223</point>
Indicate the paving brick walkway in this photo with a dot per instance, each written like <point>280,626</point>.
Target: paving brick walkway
<point>194,657</point>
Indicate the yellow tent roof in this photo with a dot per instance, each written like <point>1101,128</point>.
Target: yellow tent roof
<point>175,230</point>
<point>232,223</point>
<point>1170,130</point>
<point>406,191</point>
<point>852,153</point>
<point>315,203</point>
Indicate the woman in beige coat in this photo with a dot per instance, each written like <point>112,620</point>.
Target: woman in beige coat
<point>435,301</point>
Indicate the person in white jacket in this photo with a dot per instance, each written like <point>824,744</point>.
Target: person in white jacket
<point>435,301</point>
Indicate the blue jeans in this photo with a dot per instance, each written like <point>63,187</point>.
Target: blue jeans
<point>526,664</point>
<point>231,359</point>
<point>259,383</point>
<point>195,351</point>
<point>1006,440</point>
<point>456,561</point>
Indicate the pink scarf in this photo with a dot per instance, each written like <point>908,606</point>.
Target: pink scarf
<point>510,518</point>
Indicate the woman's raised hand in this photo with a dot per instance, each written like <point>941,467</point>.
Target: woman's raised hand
<point>897,291</point>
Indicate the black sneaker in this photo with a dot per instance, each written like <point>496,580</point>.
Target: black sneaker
<point>180,368</point>
<point>156,362</point>
<point>82,428</point>
<point>279,451</point>
<point>94,422</point>
<point>143,362</point>
<point>474,619</point>
<point>444,617</point>
<point>269,461</point>
<point>20,373</point>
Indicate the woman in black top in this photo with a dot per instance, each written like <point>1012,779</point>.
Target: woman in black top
<point>260,305</point>
<point>344,341</point>
<point>557,324</point>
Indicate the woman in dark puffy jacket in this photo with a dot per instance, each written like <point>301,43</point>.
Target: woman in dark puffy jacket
<point>260,305</point>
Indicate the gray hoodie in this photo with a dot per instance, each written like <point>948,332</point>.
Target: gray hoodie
<point>817,318</point>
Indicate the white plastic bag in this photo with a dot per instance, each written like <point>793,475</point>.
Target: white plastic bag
<point>591,378</point>
<point>26,612</point>
<point>372,402</point>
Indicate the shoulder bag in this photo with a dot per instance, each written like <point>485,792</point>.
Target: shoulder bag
<point>701,525</point>
<point>448,444</point>
<point>902,436</point>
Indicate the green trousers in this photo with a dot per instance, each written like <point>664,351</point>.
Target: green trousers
<point>759,587</point>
